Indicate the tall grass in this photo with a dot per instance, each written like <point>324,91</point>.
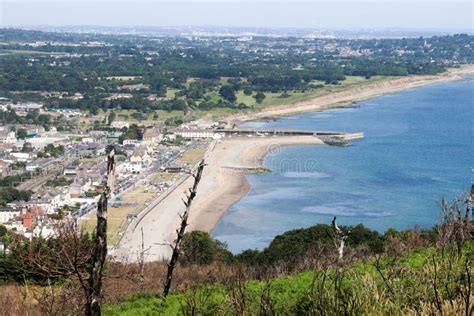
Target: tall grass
<point>423,282</point>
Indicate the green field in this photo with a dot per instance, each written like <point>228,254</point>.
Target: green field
<point>171,93</point>
<point>275,99</point>
<point>191,156</point>
<point>126,115</point>
<point>134,201</point>
<point>424,282</point>
<point>271,100</point>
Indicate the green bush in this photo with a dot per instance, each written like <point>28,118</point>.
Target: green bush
<point>199,248</point>
<point>293,245</point>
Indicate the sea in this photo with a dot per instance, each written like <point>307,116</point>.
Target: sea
<point>418,148</point>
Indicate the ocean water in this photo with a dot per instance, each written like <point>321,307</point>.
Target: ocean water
<point>418,148</point>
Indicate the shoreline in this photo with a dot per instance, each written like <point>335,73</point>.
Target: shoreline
<point>355,94</point>
<point>224,180</point>
<point>237,156</point>
<point>224,183</point>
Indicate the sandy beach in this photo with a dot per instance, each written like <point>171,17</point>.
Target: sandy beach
<point>223,184</point>
<point>355,94</point>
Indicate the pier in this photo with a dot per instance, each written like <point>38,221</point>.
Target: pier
<point>329,137</point>
<point>275,132</point>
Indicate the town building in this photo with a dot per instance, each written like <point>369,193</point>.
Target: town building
<point>152,136</point>
<point>119,124</point>
<point>140,156</point>
<point>196,133</point>
<point>7,137</point>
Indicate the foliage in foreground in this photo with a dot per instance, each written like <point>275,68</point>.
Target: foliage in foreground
<point>426,281</point>
<point>394,273</point>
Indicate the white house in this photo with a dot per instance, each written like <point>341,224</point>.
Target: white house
<point>7,214</point>
<point>7,137</point>
<point>134,142</point>
<point>120,124</point>
<point>27,106</point>
<point>87,140</point>
<point>128,167</point>
<point>21,156</point>
<point>196,133</point>
<point>140,155</point>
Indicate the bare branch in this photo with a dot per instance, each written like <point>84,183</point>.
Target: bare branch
<point>184,222</point>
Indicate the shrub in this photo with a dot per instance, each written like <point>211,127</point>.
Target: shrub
<point>199,248</point>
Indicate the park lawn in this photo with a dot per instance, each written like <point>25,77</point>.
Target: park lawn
<point>217,113</point>
<point>171,93</point>
<point>162,177</point>
<point>214,96</point>
<point>164,115</point>
<point>126,115</point>
<point>133,201</point>
<point>116,218</point>
<point>191,156</point>
<point>138,195</point>
<point>249,100</point>
<point>224,80</point>
<point>275,99</point>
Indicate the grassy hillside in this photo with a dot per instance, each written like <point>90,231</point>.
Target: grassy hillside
<point>426,281</point>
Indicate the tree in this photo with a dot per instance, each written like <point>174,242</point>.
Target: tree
<point>184,222</point>
<point>111,117</point>
<point>19,165</point>
<point>21,133</point>
<point>227,93</point>
<point>3,231</point>
<point>8,195</point>
<point>259,97</point>
<point>248,91</point>
<point>94,110</point>
<point>43,119</point>
<point>339,237</point>
<point>199,248</point>
<point>99,254</point>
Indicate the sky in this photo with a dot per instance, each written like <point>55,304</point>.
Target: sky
<point>339,14</point>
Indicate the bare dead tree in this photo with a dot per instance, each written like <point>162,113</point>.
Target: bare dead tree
<point>180,232</point>
<point>142,264</point>
<point>339,238</point>
<point>70,253</point>
<point>469,208</point>
<point>99,255</point>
